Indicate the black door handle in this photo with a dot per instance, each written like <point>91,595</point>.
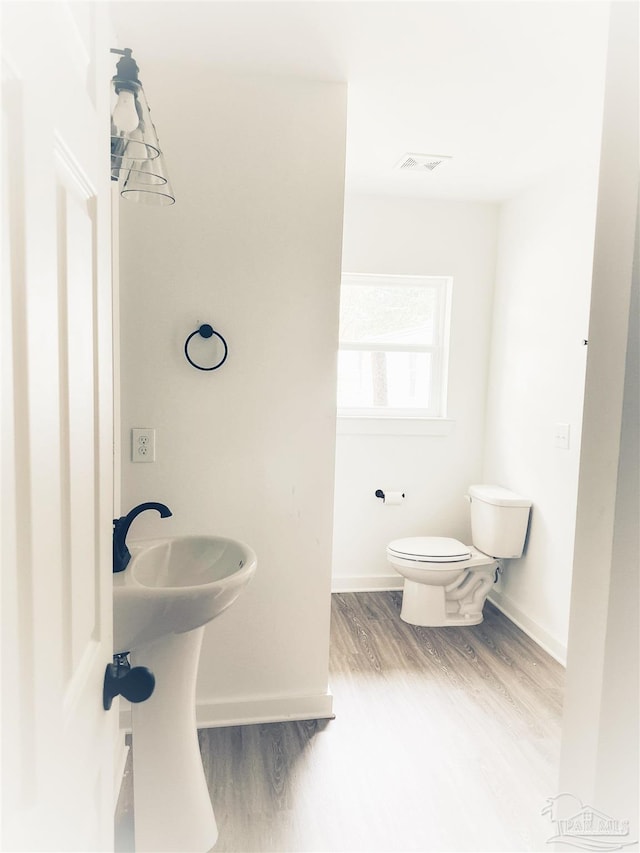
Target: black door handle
<point>121,679</point>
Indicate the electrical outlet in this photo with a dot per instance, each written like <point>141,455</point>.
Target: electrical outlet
<point>143,444</point>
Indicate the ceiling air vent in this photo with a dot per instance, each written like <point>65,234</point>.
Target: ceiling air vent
<point>421,162</point>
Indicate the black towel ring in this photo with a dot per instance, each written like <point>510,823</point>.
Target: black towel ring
<point>206,331</point>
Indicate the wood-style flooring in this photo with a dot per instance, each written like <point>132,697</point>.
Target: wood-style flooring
<point>445,739</point>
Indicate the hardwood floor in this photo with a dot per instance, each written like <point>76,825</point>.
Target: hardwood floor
<point>445,739</point>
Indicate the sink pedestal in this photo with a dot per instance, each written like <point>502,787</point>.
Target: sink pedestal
<point>172,806</point>
<point>161,602</point>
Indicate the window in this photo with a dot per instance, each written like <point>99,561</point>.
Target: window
<point>392,359</point>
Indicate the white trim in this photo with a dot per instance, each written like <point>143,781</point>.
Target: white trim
<point>115,278</point>
<point>119,764</point>
<point>546,641</point>
<point>395,280</point>
<point>245,712</point>
<point>382,346</point>
<point>385,425</point>
<point>269,709</point>
<point>370,583</point>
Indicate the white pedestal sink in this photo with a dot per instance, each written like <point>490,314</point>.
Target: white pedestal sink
<point>169,591</point>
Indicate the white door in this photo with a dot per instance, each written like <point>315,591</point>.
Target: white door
<point>57,481</point>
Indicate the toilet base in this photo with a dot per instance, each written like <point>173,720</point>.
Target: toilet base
<point>428,606</point>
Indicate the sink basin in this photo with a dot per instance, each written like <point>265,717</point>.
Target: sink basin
<point>175,585</point>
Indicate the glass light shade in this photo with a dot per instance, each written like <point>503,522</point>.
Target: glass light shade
<point>147,182</point>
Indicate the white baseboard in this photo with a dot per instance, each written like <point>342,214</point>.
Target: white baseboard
<point>246,712</point>
<point>547,642</point>
<point>270,709</point>
<point>371,583</point>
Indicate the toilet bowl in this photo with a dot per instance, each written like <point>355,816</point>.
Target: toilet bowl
<point>447,582</point>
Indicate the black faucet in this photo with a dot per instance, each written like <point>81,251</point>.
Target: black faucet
<point>121,554</point>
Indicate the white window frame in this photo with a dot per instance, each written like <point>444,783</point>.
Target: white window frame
<point>382,417</point>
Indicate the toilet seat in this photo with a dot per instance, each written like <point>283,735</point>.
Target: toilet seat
<point>429,549</point>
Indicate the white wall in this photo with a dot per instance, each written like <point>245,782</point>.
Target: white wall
<point>406,236</point>
<point>599,760</point>
<point>252,247</point>
<point>540,322</point>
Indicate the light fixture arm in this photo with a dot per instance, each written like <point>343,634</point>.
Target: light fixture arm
<point>126,76</point>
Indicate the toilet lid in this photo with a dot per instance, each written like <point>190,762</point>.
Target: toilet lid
<point>432,549</point>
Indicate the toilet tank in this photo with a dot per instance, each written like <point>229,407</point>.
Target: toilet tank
<point>499,519</point>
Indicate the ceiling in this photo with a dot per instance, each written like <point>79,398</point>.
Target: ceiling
<point>511,90</point>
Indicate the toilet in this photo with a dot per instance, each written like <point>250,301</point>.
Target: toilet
<point>447,582</point>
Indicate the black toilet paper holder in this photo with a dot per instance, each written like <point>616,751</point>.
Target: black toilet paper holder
<point>380,494</point>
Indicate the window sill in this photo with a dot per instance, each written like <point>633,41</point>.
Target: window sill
<point>352,425</point>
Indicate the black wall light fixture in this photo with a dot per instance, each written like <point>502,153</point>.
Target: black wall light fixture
<point>136,158</point>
